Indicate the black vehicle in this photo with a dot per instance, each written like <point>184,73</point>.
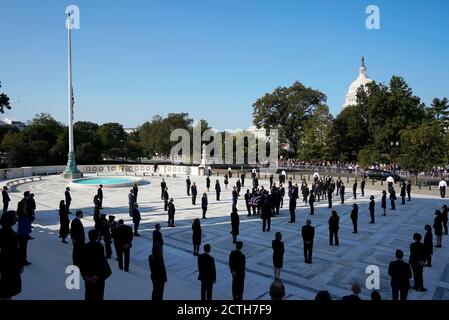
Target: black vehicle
<point>381,175</point>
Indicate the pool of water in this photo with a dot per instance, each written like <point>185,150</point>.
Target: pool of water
<point>106,181</point>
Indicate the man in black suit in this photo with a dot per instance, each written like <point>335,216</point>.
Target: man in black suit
<point>188,184</point>
<point>242,178</point>
<point>78,238</point>
<point>362,186</point>
<point>171,213</point>
<point>371,209</point>
<point>308,234</point>
<point>409,190</point>
<point>417,260</point>
<point>400,273</point>
<point>6,199</point>
<point>100,195</point>
<point>157,236</point>
<point>163,187</point>
<point>342,193</point>
<point>354,296</point>
<point>68,199</point>
<point>354,189</point>
<point>123,239</point>
<point>237,264</point>
<point>292,209</point>
<point>206,273</point>
<point>194,193</point>
<point>94,268</point>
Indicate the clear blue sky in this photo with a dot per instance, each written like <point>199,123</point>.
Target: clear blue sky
<point>212,59</point>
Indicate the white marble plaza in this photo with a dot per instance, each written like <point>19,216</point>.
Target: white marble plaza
<point>334,268</point>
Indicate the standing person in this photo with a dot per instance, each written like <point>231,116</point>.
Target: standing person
<point>271,181</point>
<point>311,203</point>
<point>10,265</point>
<point>443,186</point>
<point>372,206</point>
<point>226,181</point>
<point>68,199</point>
<point>237,265</point>
<point>131,201</point>
<point>94,268</point>
<point>194,191</point>
<point>242,178</point>
<point>393,199</point>
<point>278,254</point>
<point>355,292</point>
<point>217,190</point>
<point>188,185</point>
<point>238,185</point>
<point>355,216</point>
<point>78,238</point>
<point>6,199</point>
<point>338,184</point>
<point>100,195</point>
<point>444,216</point>
<point>354,189</point>
<point>390,182</point>
<point>292,208</point>
<point>282,194</point>
<point>383,203</point>
<point>171,213</point>
<point>403,187</point>
<point>329,197</point>
<point>342,193</point>
<point>308,234</point>
<point>136,219</point>
<point>248,197</point>
<point>96,212</point>
<point>105,234</point>
<point>64,222</point>
<point>204,204</point>
<point>334,222</point>
<point>33,207</point>
<point>123,240</point>
<point>229,172</point>
<point>209,171</point>
<point>163,187</point>
<point>196,236</point>
<point>362,186</point>
<point>166,198</point>
<point>400,273</point>
<point>417,260</point>
<point>207,183</point>
<point>113,225</point>
<point>157,236</point>
<point>428,245</point>
<point>438,227</point>
<point>409,190</point>
<point>206,273</point>
<point>235,196</point>
<point>266,212</point>
<point>23,232</point>
<point>235,224</point>
<point>135,190</point>
<point>158,273</point>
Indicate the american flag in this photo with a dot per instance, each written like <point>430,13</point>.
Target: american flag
<point>254,201</point>
<point>73,100</point>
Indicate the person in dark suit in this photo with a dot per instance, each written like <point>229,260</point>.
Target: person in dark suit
<point>158,272</point>
<point>171,213</point>
<point>157,236</point>
<point>194,191</point>
<point>354,296</point>
<point>64,222</point>
<point>78,237</point>
<point>235,196</point>
<point>334,222</point>
<point>342,193</point>
<point>196,236</point>
<point>6,199</point>
<point>417,260</point>
<point>383,203</point>
<point>135,190</point>
<point>278,254</point>
<point>403,188</point>
<point>166,197</point>
<point>94,267</point>
<point>409,190</point>
<point>444,217</point>
<point>248,196</point>
<point>238,186</point>
<point>242,178</point>
<point>393,199</point>
<point>10,264</point>
<point>23,231</point>
<point>308,234</point>
<point>438,227</point>
<point>329,197</point>
<point>68,199</point>
<point>163,187</point>
<point>311,202</point>
<point>237,265</point>
<point>400,273</point>
<point>235,224</point>
<point>100,195</point>
<point>206,273</point>
<point>123,240</point>
<point>292,209</point>
<point>362,186</point>
<point>204,204</point>
<point>131,201</point>
<point>207,183</point>
<point>188,185</point>
<point>354,217</point>
<point>266,212</point>
<point>372,206</point>
<point>354,189</point>
<point>428,244</point>
<point>136,219</point>
<point>217,189</point>
<point>105,235</point>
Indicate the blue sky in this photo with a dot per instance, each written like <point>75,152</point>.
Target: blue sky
<point>214,58</point>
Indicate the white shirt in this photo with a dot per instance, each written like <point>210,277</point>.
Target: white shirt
<point>390,179</point>
<point>442,184</point>
<point>283,173</point>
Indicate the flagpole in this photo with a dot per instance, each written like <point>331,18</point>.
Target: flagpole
<point>71,171</point>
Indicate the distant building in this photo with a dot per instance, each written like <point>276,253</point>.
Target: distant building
<point>130,130</point>
<point>19,125</point>
<point>362,80</point>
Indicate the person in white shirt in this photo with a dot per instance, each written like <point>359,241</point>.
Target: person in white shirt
<point>390,182</point>
<point>442,185</point>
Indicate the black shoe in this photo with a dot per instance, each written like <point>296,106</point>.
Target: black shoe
<point>121,268</point>
<point>422,290</point>
<point>126,270</point>
<point>26,263</point>
<point>137,235</point>
<point>354,231</point>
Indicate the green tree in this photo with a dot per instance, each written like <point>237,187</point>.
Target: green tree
<point>287,109</point>
<point>439,110</point>
<point>113,139</point>
<point>4,101</point>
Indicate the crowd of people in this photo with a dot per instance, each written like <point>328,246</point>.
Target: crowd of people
<point>92,256</point>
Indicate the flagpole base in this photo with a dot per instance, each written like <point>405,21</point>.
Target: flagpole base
<point>71,171</point>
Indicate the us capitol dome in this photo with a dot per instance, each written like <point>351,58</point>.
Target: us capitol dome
<point>362,80</point>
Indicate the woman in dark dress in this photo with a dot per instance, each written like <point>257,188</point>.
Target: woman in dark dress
<point>64,221</point>
<point>383,204</point>
<point>196,236</point>
<point>235,223</point>
<point>158,272</point>
<point>278,254</point>
<point>10,265</point>
<point>428,245</point>
<point>334,225</point>
<point>438,227</point>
